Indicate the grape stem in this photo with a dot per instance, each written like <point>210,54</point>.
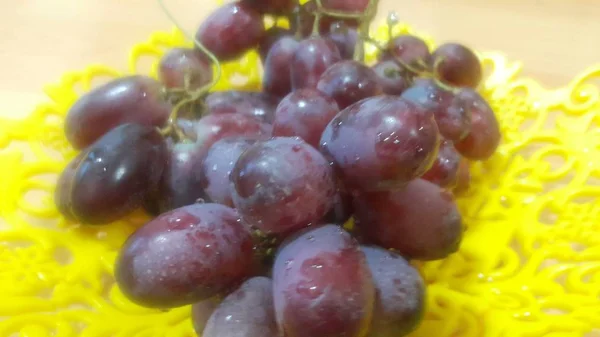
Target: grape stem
<point>363,30</point>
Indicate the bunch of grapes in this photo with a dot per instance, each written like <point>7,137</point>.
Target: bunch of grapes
<point>251,192</point>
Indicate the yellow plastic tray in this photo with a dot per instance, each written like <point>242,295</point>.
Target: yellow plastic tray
<point>529,264</point>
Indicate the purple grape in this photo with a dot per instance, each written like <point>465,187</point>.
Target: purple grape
<point>217,167</point>
<point>180,65</point>
<point>400,293</point>
<point>256,104</point>
<point>457,65</point>
<point>275,7</point>
<point>305,18</point>
<point>312,57</point>
<point>113,176</point>
<point>304,113</point>
<point>420,221</point>
<point>393,78</point>
<point>132,99</point>
<point>463,180</point>
<point>212,128</point>
<point>341,211</point>
<point>277,74</point>
<point>348,82</point>
<point>184,256</point>
<point>351,6</point>
<point>231,30</point>
<point>344,37</point>
<point>62,193</point>
<point>282,185</point>
<point>484,137</point>
<point>407,49</point>
<point>380,143</point>
<point>444,171</point>
<point>202,311</point>
<point>322,285</point>
<point>451,111</point>
<point>272,35</point>
<point>247,312</point>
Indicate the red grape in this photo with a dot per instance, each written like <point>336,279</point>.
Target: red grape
<point>444,171</point>
<point>247,312</point>
<point>304,113</point>
<point>322,286</point>
<point>209,129</point>
<point>114,175</point>
<point>132,99</point>
<point>256,104</point>
<point>420,221</point>
<point>276,7</point>
<point>184,256</point>
<point>180,65</point>
<point>380,143</point>
<point>451,111</point>
<point>348,82</point>
<point>202,311</point>
<point>352,6</point>
<point>484,136</point>
<point>463,178</point>
<point>344,37</point>
<point>231,30</point>
<point>277,75</point>
<point>282,184</point>
<point>400,293</point>
<point>407,49</point>
<point>272,35</point>
<point>393,78</point>
<point>217,166</point>
<point>457,65</point>
<point>312,57</point>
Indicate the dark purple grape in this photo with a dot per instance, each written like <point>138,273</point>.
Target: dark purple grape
<point>348,82</point>
<point>344,37</point>
<point>380,143</point>
<point>277,75</point>
<point>231,30</point>
<point>132,99</point>
<point>209,129</point>
<point>282,185</point>
<point>484,137</point>
<point>184,256</point>
<point>322,285</point>
<point>420,221</point>
<point>400,293</point>
<point>305,18</point>
<point>451,111</point>
<point>304,113</point>
<point>180,65</point>
<point>341,211</point>
<point>444,171</point>
<point>457,65</point>
<point>463,180</point>
<point>272,35</point>
<point>62,193</point>
<point>247,312</point>
<point>275,7</point>
<point>114,175</point>
<point>393,78</point>
<point>312,57</point>
<point>250,103</point>
<point>201,313</point>
<point>351,6</point>
<point>217,166</point>
<point>408,49</point>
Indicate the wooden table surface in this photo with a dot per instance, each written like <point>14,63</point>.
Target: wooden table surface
<point>556,39</point>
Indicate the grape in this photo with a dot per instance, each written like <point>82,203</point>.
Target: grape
<point>184,256</point>
<point>393,78</point>
<point>445,168</point>
<point>217,166</point>
<point>247,312</point>
<point>272,35</point>
<point>322,286</point>
<point>457,65</point>
<point>341,211</point>
<point>380,143</point>
<point>351,6</point>
<point>344,37</point>
<point>180,65</point>
<point>282,184</point>
<point>407,49</point>
<point>209,129</point>
<point>348,82</point>
<point>277,74</point>
<point>304,113</point>
<point>400,293</point>
<point>114,175</point>
<point>201,313</point>
<point>484,136</point>
<point>305,19</point>
<point>131,99</point>
<point>62,193</point>
<point>256,104</point>
<point>231,30</point>
<point>452,112</point>
<point>275,7</point>
<point>312,57</point>
<point>463,178</point>
<point>420,221</point>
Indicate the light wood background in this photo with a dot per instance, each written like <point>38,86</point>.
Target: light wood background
<point>556,39</point>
